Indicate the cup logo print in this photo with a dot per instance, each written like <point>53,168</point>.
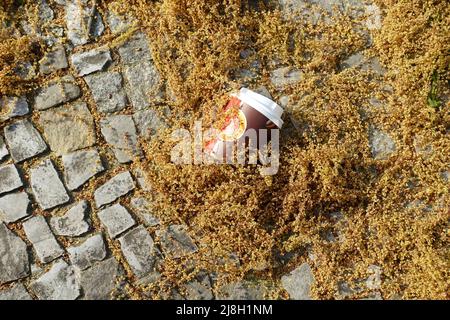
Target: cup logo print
<point>235,128</point>
<point>250,123</point>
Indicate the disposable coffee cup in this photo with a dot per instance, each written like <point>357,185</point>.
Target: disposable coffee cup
<point>254,112</point>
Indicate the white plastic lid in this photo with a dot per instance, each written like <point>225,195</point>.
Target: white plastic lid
<point>262,104</point>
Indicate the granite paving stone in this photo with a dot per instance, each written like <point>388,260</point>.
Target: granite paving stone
<point>119,131</point>
<point>101,281</point>
<point>45,12</point>
<point>78,16</point>
<point>144,84</point>
<point>381,144</point>
<point>9,178</point>
<point>199,288</point>
<point>23,140</point>
<point>359,60</point>
<point>135,50</point>
<point>68,128</point>
<point>56,93</point>
<point>116,220</point>
<point>118,23</point>
<point>80,166</point>
<point>141,179</point>
<point>242,290</point>
<point>11,107</point>
<point>59,283</point>
<point>16,292</point>
<point>144,80</point>
<point>298,282</point>
<point>106,88</point>
<point>285,76</point>
<point>90,61</point>
<point>373,281</point>
<point>25,70</point>
<point>176,241</point>
<point>114,188</point>
<point>140,252</point>
<point>53,60</point>
<point>85,254</point>
<point>42,238</point>
<point>3,150</point>
<point>148,123</point>
<point>14,207</point>
<point>73,223</point>
<point>14,262</point>
<point>143,209</point>
<point>47,187</point>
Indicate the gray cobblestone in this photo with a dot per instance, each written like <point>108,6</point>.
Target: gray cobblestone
<point>48,189</point>
<point>91,61</point>
<point>42,238</point>
<point>116,219</point>
<point>80,166</point>
<point>59,283</point>
<point>16,292</point>
<point>9,178</point>
<point>176,241</point>
<point>85,254</point>
<point>140,252</point>
<point>119,131</point>
<point>14,207</point>
<point>14,263</point>
<point>3,150</point>
<point>72,223</point>
<point>68,128</point>
<point>54,60</point>
<point>101,281</point>
<point>57,93</point>
<point>298,282</point>
<point>23,140</point>
<point>78,14</point>
<point>106,87</point>
<point>143,209</point>
<point>11,107</point>
<point>114,188</point>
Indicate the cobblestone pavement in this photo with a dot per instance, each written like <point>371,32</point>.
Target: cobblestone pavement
<point>68,189</point>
